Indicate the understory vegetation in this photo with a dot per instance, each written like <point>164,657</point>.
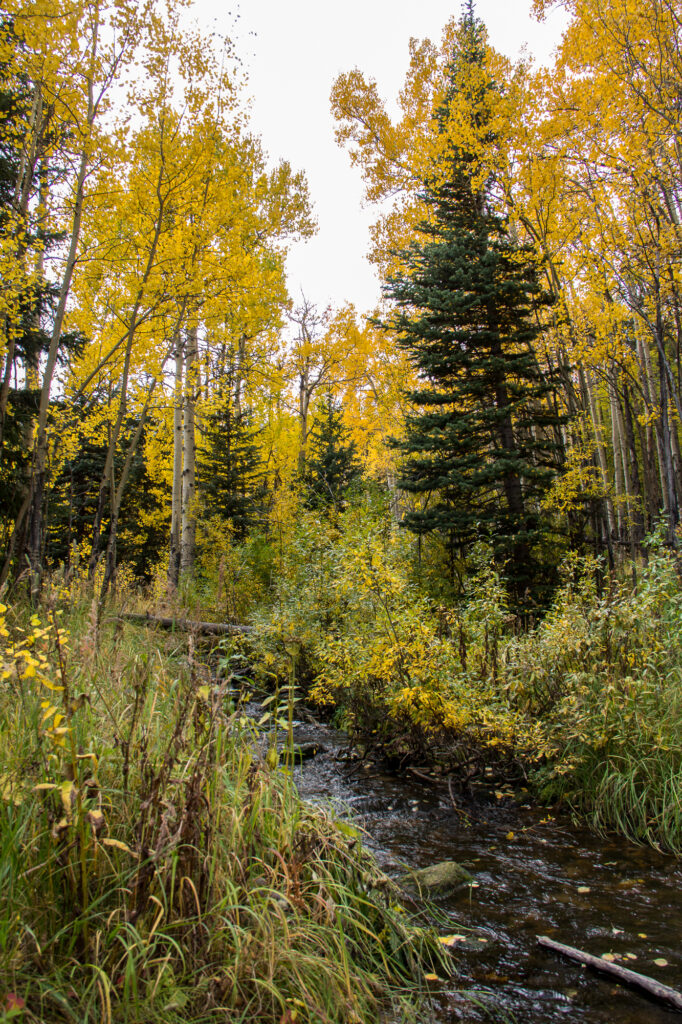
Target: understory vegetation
<point>586,701</point>
<point>157,863</point>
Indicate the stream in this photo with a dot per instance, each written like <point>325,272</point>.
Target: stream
<point>535,876</point>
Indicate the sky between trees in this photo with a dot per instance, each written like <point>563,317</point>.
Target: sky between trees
<point>292,52</point>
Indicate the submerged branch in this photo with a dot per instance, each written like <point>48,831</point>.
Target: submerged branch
<point>626,977</point>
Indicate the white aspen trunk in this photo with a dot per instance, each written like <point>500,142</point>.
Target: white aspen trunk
<point>304,394</point>
<point>601,454</point>
<point>239,371</point>
<point>618,478</point>
<point>394,502</point>
<point>650,392</point>
<point>118,490</point>
<point>677,460</point>
<point>176,501</point>
<point>188,544</point>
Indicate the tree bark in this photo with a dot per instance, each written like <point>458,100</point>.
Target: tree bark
<point>176,500</point>
<point>118,492</point>
<point>37,488</point>
<point>187,552</point>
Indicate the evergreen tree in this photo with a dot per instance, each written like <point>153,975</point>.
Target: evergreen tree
<point>230,474</point>
<point>481,440</point>
<point>72,504</point>
<point>331,463</point>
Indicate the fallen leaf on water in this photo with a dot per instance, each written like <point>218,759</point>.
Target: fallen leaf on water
<point>482,940</point>
<point>641,935</point>
<point>661,961</point>
<point>631,956</point>
<point>616,931</point>
<point>450,940</point>
<point>583,888</point>
<point>431,977</point>
<point>608,956</point>
<point>510,835</point>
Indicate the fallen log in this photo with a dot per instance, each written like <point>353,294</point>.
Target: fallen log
<point>190,625</point>
<point>626,977</point>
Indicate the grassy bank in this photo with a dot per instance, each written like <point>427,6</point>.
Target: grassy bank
<point>154,867</point>
<point>587,702</point>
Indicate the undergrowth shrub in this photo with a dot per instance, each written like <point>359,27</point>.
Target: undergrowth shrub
<point>154,867</point>
<point>399,669</point>
<point>589,701</point>
<point>603,675</point>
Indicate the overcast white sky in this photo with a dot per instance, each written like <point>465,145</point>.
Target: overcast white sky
<point>293,50</point>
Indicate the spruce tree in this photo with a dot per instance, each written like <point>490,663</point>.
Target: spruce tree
<point>230,475</point>
<point>331,462</point>
<point>481,440</point>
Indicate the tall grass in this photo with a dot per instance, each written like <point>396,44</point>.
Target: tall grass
<point>153,867</point>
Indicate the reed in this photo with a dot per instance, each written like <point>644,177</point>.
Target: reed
<point>156,867</point>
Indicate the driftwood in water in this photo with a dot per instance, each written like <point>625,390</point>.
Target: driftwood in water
<point>626,977</point>
<point>215,628</point>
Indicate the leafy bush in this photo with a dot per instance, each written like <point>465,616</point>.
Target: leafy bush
<point>604,676</point>
<point>398,669</point>
<point>589,700</point>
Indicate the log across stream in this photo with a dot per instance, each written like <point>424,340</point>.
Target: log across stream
<point>533,876</point>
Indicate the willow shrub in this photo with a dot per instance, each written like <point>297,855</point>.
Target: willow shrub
<point>589,701</point>
<point>399,669</point>
<point>154,867</point>
<point>603,676</point>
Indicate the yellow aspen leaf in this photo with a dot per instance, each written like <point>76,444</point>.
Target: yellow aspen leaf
<point>118,845</point>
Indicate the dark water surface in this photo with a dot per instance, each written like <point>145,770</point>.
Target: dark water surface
<point>535,877</point>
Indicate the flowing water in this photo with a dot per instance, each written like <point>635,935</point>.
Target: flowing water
<point>534,876</point>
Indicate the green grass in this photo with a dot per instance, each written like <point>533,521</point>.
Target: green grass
<point>163,871</point>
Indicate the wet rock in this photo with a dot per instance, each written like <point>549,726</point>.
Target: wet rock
<point>307,751</point>
<point>440,879</point>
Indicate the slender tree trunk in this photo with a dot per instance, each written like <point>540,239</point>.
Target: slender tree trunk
<point>394,501</point>
<point>304,393</point>
<point>5,387</point>
<point>107,472</point>
<point>667,468</point>
<point>37,490</point>
<point>595,416</point>
<point>118,493</point>
<point>176,500</point>
<point>632,470</point>
<point>654,462</point>
<point>618,461</point>
<point>189,456</point>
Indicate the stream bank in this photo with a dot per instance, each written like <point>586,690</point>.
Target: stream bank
<point>534,875</point>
